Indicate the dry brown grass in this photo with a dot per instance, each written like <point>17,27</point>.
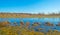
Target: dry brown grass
<point>17,15</point>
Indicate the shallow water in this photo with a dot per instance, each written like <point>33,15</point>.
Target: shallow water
<point>32,20</point>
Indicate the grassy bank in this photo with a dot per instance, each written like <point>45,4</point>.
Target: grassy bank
<point>29,16</point>
<point>17,30</point>
<point>24,29</point>
<point>18,15</point>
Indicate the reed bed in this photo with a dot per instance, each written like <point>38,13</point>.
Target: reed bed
<point>23,29</point>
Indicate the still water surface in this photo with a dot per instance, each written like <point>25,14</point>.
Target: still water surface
<point>32,20</point>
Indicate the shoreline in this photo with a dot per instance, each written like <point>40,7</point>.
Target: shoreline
<point>23,15</point>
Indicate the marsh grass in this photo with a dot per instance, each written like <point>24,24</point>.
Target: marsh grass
<point>24,30</point>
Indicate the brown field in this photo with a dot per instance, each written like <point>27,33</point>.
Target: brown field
<point>25,15</point>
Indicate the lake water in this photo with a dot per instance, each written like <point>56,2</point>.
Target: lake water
<point>32,20</point>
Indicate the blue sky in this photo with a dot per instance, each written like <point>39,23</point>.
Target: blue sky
<point>30,6</point>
